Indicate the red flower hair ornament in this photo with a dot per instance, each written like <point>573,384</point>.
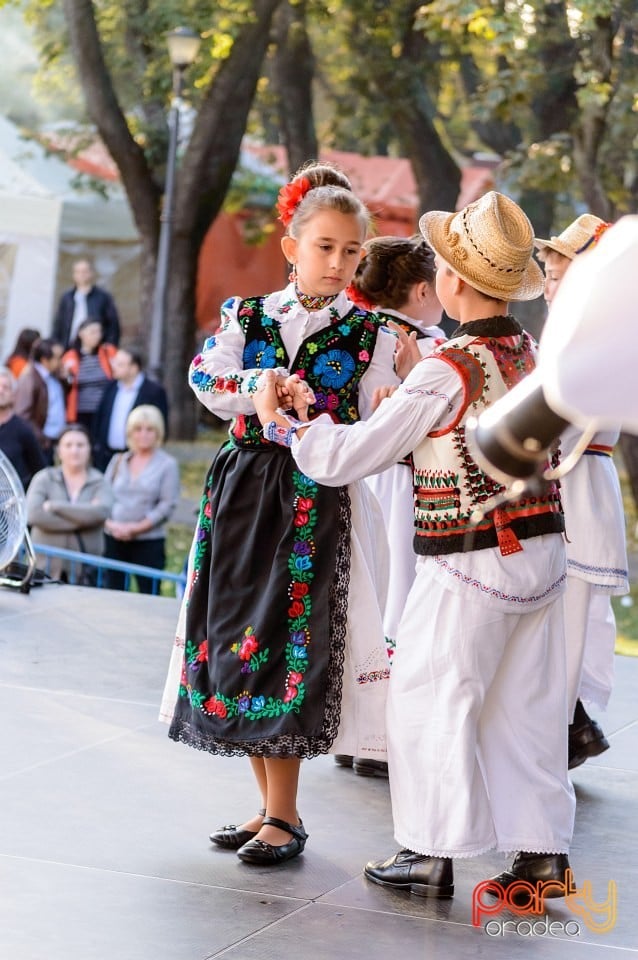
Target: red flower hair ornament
<point>290,196</point>
<point>358,298</point>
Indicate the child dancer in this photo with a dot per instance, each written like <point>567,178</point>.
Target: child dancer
<point>476,751</point>
<point>283,655</point>
<point>397,276</point>
<point>595,526</point>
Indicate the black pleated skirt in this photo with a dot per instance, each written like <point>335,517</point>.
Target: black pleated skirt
<point>266,610</point>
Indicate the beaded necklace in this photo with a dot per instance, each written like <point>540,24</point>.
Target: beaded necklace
<point>308,302</point>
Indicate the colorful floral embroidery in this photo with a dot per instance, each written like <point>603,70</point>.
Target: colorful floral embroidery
<point>248,651</point>
<point>300,566</point>
<point>259,354</point>
<point>334,368</point>
<point>332,362</point>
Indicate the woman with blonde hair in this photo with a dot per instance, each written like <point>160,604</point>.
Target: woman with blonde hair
<point>145,484</point>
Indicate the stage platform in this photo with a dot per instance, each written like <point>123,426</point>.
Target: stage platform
<point>104,851</point>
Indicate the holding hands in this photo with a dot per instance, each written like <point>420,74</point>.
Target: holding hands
<point>275,392</point>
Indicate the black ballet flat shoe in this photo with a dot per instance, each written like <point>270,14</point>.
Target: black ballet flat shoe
<point>366,767</point>
<point>415,873</point>
<point>535,868</point>
<point>343,759</point>
<point>231,837</point>
<point>266,854</point>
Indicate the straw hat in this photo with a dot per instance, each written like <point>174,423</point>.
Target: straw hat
<point>489,244</point>
<point>573,237</point>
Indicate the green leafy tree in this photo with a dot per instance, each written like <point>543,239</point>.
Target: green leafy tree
<point>118,51</point>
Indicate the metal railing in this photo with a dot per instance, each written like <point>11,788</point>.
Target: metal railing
<point>78,562</point>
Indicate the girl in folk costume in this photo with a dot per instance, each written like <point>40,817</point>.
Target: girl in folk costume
<point>282,655</point>
<point>476,755</point>
<point>397,276</point>
<point>595,526</point>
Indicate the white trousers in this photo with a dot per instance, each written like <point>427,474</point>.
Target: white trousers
<point>476,724</point>
<point>590,638</point>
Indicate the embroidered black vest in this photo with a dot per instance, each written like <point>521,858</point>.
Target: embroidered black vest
<point>331,361</point>
<point>490,356</point>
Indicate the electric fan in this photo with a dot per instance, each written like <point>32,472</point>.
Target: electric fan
<point>13,530</point>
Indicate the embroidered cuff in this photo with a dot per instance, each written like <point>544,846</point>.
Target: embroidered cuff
<point>282,435</point>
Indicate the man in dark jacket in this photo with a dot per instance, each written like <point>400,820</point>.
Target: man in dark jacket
<point>84,300</point>
<point>17,440</point>
<point>129,388</point>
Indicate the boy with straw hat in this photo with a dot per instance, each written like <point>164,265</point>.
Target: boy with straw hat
<point>476,707</point>
<point>596,548</point>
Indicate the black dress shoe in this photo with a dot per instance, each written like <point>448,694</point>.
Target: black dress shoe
<point>267,854</point>
<point>365,767</point>
<point>585,740</point>
<point>421,875</point>
<point>231,837</point>
<point>535,867</point>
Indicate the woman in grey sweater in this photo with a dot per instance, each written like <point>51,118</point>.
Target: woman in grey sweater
<point>145,485</point>
<point>68,504</point>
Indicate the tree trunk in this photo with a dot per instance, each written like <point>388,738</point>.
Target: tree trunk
<point>106,113</point>
<point>180,335</point>
<point>591,125</point>
<point>293,73</point>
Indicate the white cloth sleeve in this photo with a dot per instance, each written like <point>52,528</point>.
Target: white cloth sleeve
<point>216,374</point>
<point>428,399</point>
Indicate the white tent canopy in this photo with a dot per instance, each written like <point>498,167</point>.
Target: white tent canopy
<point>46,220</point>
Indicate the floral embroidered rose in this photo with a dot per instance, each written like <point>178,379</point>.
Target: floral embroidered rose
<point>294,678</point>
<point>257,704</point>
<point>216,707</point>
<point>299,590</point>
<point>364,355</point>
<point>303,563</point>
<point>296,608</point>
<point>301,519</point>
<point>202,651</point>
<point>290,694</point>
<point>248,646</point>
<point>334,368</point>
<point>298,637</point>
<point>243,704</point>
<point>305,503</point>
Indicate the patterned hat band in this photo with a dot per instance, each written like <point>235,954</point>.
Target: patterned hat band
<point>489,244</point>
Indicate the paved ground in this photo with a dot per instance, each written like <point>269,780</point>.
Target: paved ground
<point>103,834</point>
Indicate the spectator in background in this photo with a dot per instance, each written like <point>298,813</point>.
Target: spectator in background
<point>88,366</point>
<point>17,440</point>
<point>145,484</point>
<point>18,359</point>
<point>68,504</point>
<point>83,300</point>
<point>130,388</point>
<point>40,395</point>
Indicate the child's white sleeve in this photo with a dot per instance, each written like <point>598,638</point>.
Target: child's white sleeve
<point>217,375</point>
<point>427,400</point>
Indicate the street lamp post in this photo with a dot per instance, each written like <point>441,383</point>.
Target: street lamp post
<point>183,45</point>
